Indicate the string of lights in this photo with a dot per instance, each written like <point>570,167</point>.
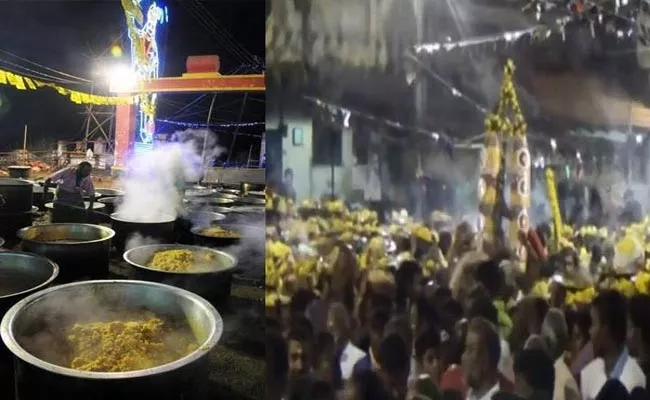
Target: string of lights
<point>537,32</point>
<point>346,113</point>
<point>193,125</point>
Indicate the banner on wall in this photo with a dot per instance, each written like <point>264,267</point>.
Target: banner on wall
<point>24,83</point>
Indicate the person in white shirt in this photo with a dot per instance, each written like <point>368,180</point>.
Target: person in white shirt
<point>338,323</point>
<point>480,359</point>
<point>556,335</point>
<point>608,335</point>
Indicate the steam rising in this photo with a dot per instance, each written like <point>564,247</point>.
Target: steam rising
<point>155,180</point>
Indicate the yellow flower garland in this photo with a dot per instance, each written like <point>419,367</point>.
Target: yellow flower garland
<point>555,207</point>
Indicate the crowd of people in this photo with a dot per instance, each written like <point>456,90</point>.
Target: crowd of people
<point>403,310</point>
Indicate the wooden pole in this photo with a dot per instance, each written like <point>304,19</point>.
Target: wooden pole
<point>205,137</point>
<point>25,145</point>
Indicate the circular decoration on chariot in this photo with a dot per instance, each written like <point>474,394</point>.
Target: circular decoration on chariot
<point>482,157</point>
<point>481,187</point>
<point>523,158</point>
<point>522,221</point>
<point>522,186</point>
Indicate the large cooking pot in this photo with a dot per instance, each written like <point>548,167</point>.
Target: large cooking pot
<point>19,171</point>
<point>247,215</point>
<point>185,222</point>
<point>106,192</point>
<point>15,196</point>
<point>251,201</point>
<point>246,186</point>
<point>80,250</point>
<point>227,196</point>
<point>250,248</point>
<point>213,284</point>
<point>246,232</point>
<point>20,275</point>
<point>39,197</point>
<point>111,203</point>
<point>160,230</point>
<point>45,316</point>
<point>198,191</point>
<point>10,224</point>
<point>209,201</point>
<point>76,215</point>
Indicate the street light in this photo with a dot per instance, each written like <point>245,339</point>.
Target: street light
<point>121,78</point>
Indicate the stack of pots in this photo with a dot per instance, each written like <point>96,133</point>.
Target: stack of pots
<point>15,207</point>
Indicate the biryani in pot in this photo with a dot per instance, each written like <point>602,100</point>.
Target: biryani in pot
<point>127,345</point>
<point>182,260</point>
<point>219,232</point>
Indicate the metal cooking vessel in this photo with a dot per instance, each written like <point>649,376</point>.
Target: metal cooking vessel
<point>15,196</point>
<point>227,196</point>
<point>72,214</point>
<point>229,191</point>
<point>238,186</point>
<point>212,285</point>
<point>210,202</point>
<point>58,307</point>
<point>39,198</point>
<point>251,201</point>
<point>186,221</point>
<point>20,275</point>
<point>80,250</point>
<point>246,231</point>
<point>111,203</point>
<point>125,229</point>
<point>106,192</point>
<point>19,171</point>
<point>10,224</point>
<point>199,192</point>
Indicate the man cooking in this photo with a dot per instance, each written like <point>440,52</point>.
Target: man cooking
<point>74,182</point>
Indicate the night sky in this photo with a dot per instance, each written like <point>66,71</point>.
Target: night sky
<point>74,37</point>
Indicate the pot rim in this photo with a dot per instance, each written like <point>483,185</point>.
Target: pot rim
<point>97,205</point>
<point>232,259</point>
<point>114,192</point>
<point>55,271</point>
<point>111,233</point>
<point>15,181</point>
<point>217,215</point>
<point>108,199</point>
<point>114,217</point>
<point>203,349</point>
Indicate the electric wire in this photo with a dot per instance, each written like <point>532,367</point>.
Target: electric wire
<point>43,66</point>
<point>227,35</point>
<point>215,34</point>
<point>223,33</point>
<point>190,104</point>
<point>211,30</point>
<point>35,74</point>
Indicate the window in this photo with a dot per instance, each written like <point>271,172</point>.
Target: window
<point>326,147</point>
